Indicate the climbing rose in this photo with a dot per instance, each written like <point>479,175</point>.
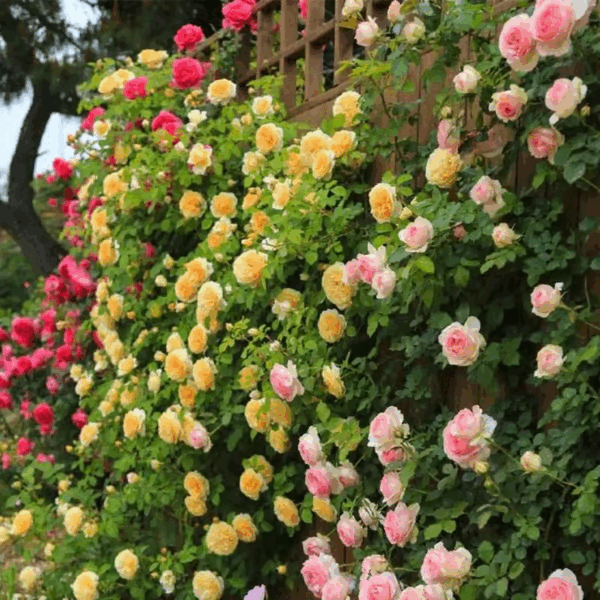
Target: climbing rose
<point>561,585</point>
<point>461,344</point>
<point>188,37</point>
<point>62,168</point>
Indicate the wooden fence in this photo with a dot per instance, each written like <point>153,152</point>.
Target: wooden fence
<point>323,44</point>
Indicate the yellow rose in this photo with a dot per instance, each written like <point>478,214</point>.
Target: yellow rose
<point>196,485</point>
<point>154,381</point>
<point>248,267</point>
<point>134,423</point>
<point>252,161</point>
<point>259,221</point>
<point>203,373</point>
<point>22,522</point>
<point>84,385</point>
<point>199,269</point>
<point>324,509</point>
<point>186,288</point>
<point>442,167</point>
<point>252,484</point>
<point>28,577</point>
<point>126,564</point>
<point>200,159</point>
<point>286,511</point>
<point>296,163</point>
<point>174,342</point>
<point>382,199</point>
<point>207,586</point>
<point>280,412</point>
<point>73,520</point>
<point>122,76</point>
<point>121,153</point>
<point>169,427</point>
<point>126,365</point>
<point>223,205</point>
<point>90,529</point>
<point>251,198</point>
<point>221,91</point>
<point>245,528</point>
<point>196,506</point>
<point>332,326</point>
<point>248,377</point>
<point>192,205</point>
<point>63,485</point>
<point>263,467</point>
<point>333,380</point>
<point>323,163</point>
<point>335,289</point>
<point>313,142</point>
<point>343,141</point>
<point>281,195</point>
<point>99,222</point>
<point>221,539</point>
<point>108,252</point>
<point>198,339</point>
<point>193,99</point>
<point>347,104</point>
<point>256,415</point>
<point>262,106</point>
<point>269,138</point>
<point>279,440</point>
<point>153,59</point>
<point>187,395</point>
<point>115,306</point>
<point>101,128</point>
<point>210,299</point>
<point>85,586</point>
<point>89,433</point>
<point>109,85</point>
<point>113,185</point>
<point>178,365</point>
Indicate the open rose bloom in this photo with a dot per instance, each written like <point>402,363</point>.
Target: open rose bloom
<point>285,381</point>
<point>447,568</point>
<point>561,585</point>
<point>466,437</point>
<point>388,434</point>
<point>545,299</point>
<point>461,344</point>
<point>564,96</point>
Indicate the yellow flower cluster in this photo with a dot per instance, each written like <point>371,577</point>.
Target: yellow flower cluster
<point>198,488</point>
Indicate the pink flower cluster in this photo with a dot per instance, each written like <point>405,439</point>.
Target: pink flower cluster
<point>466,437</point>
<point>446,568</point>
<point>285,381</point>
<point>562,584</point>
<point>388,434</point>
<point>322,478</point>
<point>321,573</point>
<point>371,269</point>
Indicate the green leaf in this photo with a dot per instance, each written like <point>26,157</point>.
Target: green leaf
<point>432,531</point>
<point>486,551</point>
<point>574,170</point>
<point>516,570</point>
<point>323,412</point>
<point>461,276</point>
<point>425,264</point>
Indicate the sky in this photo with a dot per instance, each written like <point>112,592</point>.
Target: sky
<point>54,142</point>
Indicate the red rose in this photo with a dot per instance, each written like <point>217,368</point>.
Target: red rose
<point>168,121</point>
<point>135,88</point>
<point>23,366</point>
<point>79,418</point>
<point>88,123</point>
<point>188,72</point>
<point>5,399</point>
<point>64,356</point>
<point>62,168</point>
<point>149,250</point>
<point>43,414</point>
<point>23,331</point>
<point>238,14</point>
<point>4,381</point>
<point>188,37</point>
<point>40,357</point>
<point>24,446</point>
<point>4,337</point>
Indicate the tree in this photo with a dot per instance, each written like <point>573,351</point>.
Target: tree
<point>40,52</point>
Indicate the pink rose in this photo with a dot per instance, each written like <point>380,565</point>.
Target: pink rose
<point>543,142</point>
<point>487,192</point>
<point>88,123</point>
<point>383,586</point>
<point>188,72</point>
<point>503,236</point>
<point>62,168</point>
<point>52,385</point>
<point>43,414</point>
<point>167,121</point>
<point>373,564</point>
<point>318,481</point>
<point>466,437</point>
<point>459,232</point>
<point>238,14</point>
<point>447,136</point>
<point>5,400</point>
<point>399,524</point>
<point>549,361</point>
<point>545,299</point>
<point>369,514</point>
<point>6,460</point>
<point>392,455</point>
<point>466,81</point>
<point>79,418</point>
<point>24,446</point>
<point>552,22</point>
<point>336,588</point>
<point>40,357</point>
<point>564,96</point>
<point>457,565</point>
<point>366,32</point>
<point>509,104</point>
<point>417,235</point>
<point>367,265</point>
<point>317,571</point>
<point>433,592</point>
<point>383,283</point>
<point>188,37</point>
<point>391,488</point>
<point>199,438</point>
<point>432,569</point>
<point>309,446</point>
<point>313,546</point>
<point>303,8</point>
<point>285,381</point>
<point>351,272</point>
<point>412,593</point>
<point>387,428</point>
<point>350,531</point>
<point>461,344</point>
<point>561,585</point>
<point>394,13</point>
<point>135,88</point>
<point>348,475</point>
<point>531,462</point>
<point>517,45</point>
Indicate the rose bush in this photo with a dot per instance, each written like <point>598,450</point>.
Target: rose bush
<point>278,330</point>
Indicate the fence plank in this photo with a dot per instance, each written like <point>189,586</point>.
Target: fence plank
<point>313,52</point>
<point>287,66</point>
<point>343,44</point>
<point>264,38</point>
